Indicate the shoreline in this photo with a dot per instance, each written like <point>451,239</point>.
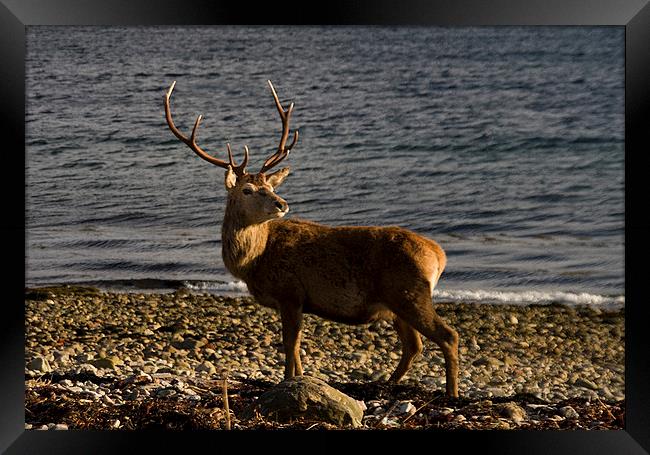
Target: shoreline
<point>515,296</point>
<point>545,354</point>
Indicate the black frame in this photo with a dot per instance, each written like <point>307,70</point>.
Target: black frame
<point>634,15</point>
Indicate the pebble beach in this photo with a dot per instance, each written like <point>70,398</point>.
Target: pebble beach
<point>119,351</point>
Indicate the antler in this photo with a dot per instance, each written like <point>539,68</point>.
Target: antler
<point>283,150</point>
<point>191,142</point>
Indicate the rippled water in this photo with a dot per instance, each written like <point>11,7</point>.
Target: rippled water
<point>505,144</point>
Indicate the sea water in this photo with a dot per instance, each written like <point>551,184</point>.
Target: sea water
<point>504,144</point>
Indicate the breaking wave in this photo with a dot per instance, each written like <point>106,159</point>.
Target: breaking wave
<point>530,297</point>
<point>469,296</point>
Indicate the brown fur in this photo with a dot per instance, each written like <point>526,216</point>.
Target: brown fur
<point>352,275</point>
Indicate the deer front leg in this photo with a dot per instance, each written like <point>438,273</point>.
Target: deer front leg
<point>291,327</point>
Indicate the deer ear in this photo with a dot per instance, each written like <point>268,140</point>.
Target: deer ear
<point>231,178</point>
<point>277,177</point>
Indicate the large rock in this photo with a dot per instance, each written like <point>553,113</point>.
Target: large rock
<point>39,364</point>
<point>513,412</point>
<point>309,398</point>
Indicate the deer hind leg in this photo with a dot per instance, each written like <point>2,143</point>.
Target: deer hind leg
<point>411,347</point>
<point>417,310</point>
<point>297,368</point>
<point>291,327</point>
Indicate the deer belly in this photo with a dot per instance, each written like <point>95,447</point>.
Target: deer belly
<point>345,306</point>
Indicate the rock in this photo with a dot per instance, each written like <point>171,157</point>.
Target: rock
<point>84,357</point>
<point>406,407</point>
<point>206,366</point>
<point>512,411</point>
<point>139,378</point>
<point>495,392</point>
<point>61,356</point>
<point>39,364</point>
<point>485,361</point>
<point>166,392</point>
<point>584,382</point>
<point>357,375</point>
<point>60,426</point>
<point>389,422</point>
<point>307,397</point>
<point>103,363</point>
<point>569,413</point>
<point>116,360</point>
<point>87,368</point>
<point>189,343</point>
<point>379,376</point>
<point>359,357</point>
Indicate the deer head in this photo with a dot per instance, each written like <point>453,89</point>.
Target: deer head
<point>252,194</point>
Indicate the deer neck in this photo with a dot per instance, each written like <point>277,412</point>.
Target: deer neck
<point>242,243</point>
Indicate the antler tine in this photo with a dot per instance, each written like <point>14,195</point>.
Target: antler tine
<point>191,142</point>
<point>283,149</point>
<point>241,169</point>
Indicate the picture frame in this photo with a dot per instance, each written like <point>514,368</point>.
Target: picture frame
<point>15,16</point>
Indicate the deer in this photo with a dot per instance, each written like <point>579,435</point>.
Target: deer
<point>347,274</point>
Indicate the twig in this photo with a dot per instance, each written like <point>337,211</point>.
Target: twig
<point>606,408</point>
<point>312,426</point>
<point>226,408</point>
<point>197,388</point>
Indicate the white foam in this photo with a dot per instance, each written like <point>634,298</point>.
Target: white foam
<point>235,287</point>
<point>468,296</point>
<point>529,297</point>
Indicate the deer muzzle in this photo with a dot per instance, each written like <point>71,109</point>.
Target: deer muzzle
<point>281,207</point>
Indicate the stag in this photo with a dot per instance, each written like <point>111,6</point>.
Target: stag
<point>348,274</point>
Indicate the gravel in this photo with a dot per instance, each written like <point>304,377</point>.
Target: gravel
<point>118,348</point>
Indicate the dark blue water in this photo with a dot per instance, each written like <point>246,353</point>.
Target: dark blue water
<point>505,144</point>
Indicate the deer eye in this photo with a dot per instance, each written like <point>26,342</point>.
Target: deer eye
<point>247,191</point>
